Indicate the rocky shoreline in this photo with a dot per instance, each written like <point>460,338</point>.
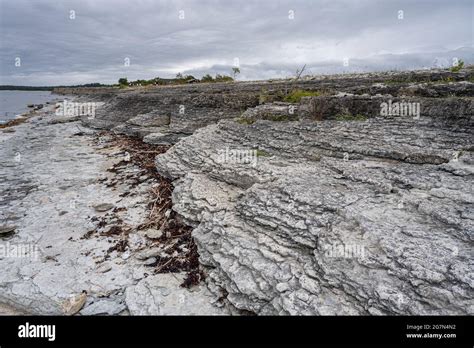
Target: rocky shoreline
<point>78,197</point>
<point>292,197</point>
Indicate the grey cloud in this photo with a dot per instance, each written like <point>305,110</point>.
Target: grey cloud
<point>92,47</point>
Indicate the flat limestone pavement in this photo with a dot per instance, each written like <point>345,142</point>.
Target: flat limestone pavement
<point>52,193</point>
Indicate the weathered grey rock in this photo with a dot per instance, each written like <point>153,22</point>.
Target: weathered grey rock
<point>275,112</point>
<point>153,296</point>
<point>336,217</point>
<point>64,119</point>
<point>165,114</point>
<point>45,171</point>
<point>151,119</point>
<point>74,304</point>
<point>163,138</point>
<point>432,88</point>
<point>459,109</point>
<point>153,233</point>
<point>103,207</point>
<point>149,261</point>
<point>149,253</point>
<point>6,230</point>
<point>104,307</point>
<point>365,216</point>
<point>104,268</point>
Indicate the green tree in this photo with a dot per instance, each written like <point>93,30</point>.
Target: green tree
<point>123,81</point>
<point>235,71</point>
<point>207,78</point>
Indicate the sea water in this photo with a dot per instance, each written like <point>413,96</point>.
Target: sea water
<point>14,103</point>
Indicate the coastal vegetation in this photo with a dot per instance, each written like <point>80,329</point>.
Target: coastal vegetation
<point>458,66</point>
<point>123,82</point>
<point>180,79</point>
<point>296,95</point>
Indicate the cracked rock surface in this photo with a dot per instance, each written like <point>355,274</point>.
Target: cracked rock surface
<point>335,217</point>
<point>53,190</point>
<point>311,205</point>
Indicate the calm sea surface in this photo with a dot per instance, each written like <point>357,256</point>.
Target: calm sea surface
<point>13,103</point>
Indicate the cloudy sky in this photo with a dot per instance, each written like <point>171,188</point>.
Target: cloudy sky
<point>52,42</point>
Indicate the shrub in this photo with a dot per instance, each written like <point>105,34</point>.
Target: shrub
<point>457,67</point>
<point>261,153</point>
<point>123,81</point>
<point>349,117</point>
<point>244,120</point>
<point>223,78</point>
<point>296,95</point>
<point>207,78</point>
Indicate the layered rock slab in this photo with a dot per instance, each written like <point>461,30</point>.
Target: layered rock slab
<point>371,217</point>
<point>69,205</point>
<point>186,108</point>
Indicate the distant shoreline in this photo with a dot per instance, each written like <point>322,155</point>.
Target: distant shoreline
<point>46,88</point>
<point>25,88</point>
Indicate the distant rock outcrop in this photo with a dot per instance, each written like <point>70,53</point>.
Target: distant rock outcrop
<point>165,114</point>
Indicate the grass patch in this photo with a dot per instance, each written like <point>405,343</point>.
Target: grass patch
<point>447,79</point>
<point>442,80</point>
<point>296,95</point>
<point>279,118</point>
<point>261,153</point>
<point>266,96</point>
<point>350,117</point>
<point>244,120</point>
<point>262,98</point>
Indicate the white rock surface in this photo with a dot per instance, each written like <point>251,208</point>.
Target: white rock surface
<point>387,230</point>
<point>48,189</point>
<point>161,295</point>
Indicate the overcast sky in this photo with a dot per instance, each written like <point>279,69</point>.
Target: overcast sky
<point>43,42</point>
